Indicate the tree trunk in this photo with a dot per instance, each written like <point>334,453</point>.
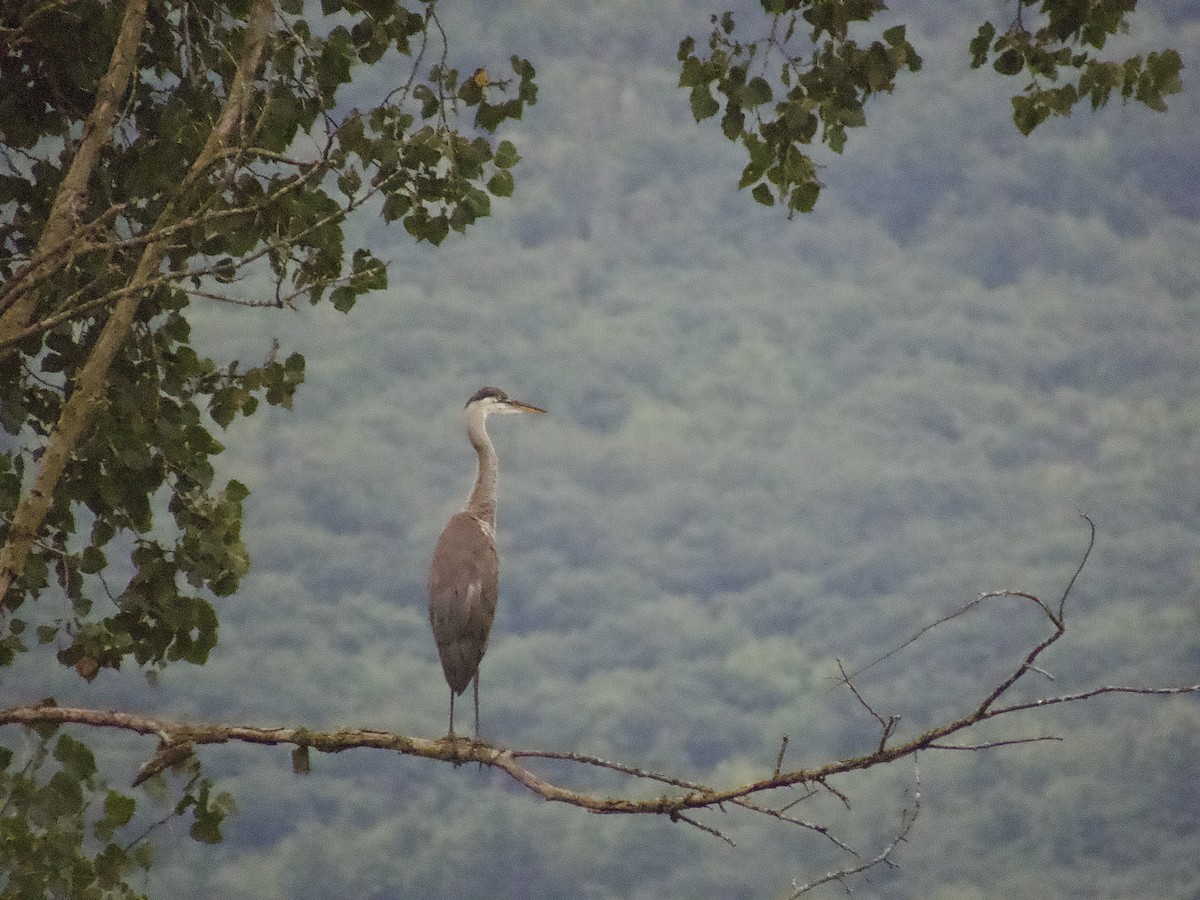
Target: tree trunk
<point>92,378</point>
<point>70,199</point>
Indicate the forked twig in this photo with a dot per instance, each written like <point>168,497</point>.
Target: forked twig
<point>884,857</point>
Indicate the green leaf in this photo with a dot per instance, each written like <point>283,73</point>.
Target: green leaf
<point>350,182</point>
<point>756,92</point>
<point>396,206</point>
<point>206,830</point>
<point>1161,76</point>
<point>208,813</point>
<point>506,155</point>
<point>60,797</point>
<point>112,864</point>
<point>981,44</point>
<point>804,197</point>
<point>235,490</point>
<point>1010,62</point>
<point>1028,114</point>
<point>852,116</point>
<point>76,758</point>
<point>880,69</point>
<point>118,810</point>
<point>694,73</point>
<point>733,123</point>
<point>501,184</point>
<point>425,227</point>
<point>92,560</point>
<point>762,193</point>
<point>704,105</point>
<point>342,298</point>
<point>428,100</point>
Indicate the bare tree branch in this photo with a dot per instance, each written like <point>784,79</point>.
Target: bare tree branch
<point>680,817</point>
<point>782,750</point>
<point>989,745</point>
<point>887,725</point>
<point>907,818</point>
<point>681,798</point>
<point>1096,692</point>
<point>780,814</point>
<point>694,796</point>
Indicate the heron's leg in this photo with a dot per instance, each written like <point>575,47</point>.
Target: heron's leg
<point>451,714</point>
<point>477,705</point>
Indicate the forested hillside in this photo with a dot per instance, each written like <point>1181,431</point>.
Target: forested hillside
<point>772,445</point>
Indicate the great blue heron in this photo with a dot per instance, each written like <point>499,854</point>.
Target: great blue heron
<point>464,576</point>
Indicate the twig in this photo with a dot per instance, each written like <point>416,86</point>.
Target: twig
<point>779,759</point>
<point>907,818</point>
<point>989,745</point>
<point>845,800</point>
<point>680,817</point>
<point>1096,692</point>
<point>1091,536</point>
<point>601,763</point>
<point>779,814</point>
<point>807,794</point>
<point>888,725</point>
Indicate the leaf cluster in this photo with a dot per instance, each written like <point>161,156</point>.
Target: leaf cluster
<point>57,822</point>
<point>279,197</point>
<point>779,98</point>
<point>1066,38</point>
<point>440,180</point>
<point>150,445</point>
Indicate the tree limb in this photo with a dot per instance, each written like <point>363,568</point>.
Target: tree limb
<point>680,797</point>
<point>884,857</point>
<point>691,796</point>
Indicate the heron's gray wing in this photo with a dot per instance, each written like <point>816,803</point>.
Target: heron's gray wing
<point>463,586</point>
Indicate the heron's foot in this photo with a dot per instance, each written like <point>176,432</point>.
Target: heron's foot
<point>458,743</point>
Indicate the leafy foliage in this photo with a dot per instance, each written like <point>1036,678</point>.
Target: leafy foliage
<point>778,99</point>
<point>775,109</point>
<point>60,822</point>
<point>270,210</point>
<point>57,822</point>
<point>1066,38</point>
<point>198,152</point>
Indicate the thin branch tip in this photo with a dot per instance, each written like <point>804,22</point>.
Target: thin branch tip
<point>779,759</point>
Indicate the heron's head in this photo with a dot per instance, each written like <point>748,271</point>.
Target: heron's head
<point>489,400</point>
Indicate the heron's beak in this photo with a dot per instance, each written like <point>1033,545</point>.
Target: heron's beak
<point>518,406</point>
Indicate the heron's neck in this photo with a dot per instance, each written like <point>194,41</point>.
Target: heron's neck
<point>482,503</point>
